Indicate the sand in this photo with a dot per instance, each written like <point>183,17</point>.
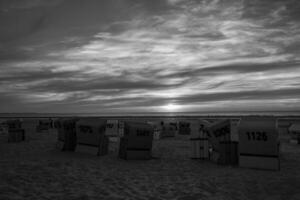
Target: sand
<point>34,169</point>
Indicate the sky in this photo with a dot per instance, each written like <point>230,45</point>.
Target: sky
<point>149,55</point>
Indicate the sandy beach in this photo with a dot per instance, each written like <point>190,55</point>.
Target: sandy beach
<point>35,169</point>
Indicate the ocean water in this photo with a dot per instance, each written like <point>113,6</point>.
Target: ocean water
<point>157,114</point>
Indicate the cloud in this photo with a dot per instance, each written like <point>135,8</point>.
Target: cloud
<point>7,5</point>
<point>141,54</point>
<point>238,68</point>
<point>242,95</point>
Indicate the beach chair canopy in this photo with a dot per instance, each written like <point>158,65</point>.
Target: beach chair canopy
<point>295,128</point>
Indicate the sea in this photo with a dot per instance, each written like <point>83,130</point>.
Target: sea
<point>277,114</point>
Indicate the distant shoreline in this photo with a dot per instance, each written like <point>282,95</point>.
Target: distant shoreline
<point>277,114</point>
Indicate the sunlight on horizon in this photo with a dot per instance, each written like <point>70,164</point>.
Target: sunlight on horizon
<point>171,107</point>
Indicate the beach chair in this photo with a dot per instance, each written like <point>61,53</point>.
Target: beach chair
<point>168,130</point>
<point>66,134</point>
<point>294,131</point>
<point>223,142</point>
<point>137,141</point>
<point>91,136</point>
<point>184,128</point>
<point>13,124</point>
<point>16,135</point>
<point>15,131</point>
<point>258,143</point>
<point>199,147</point>
<point>44,125</point>
<point>112,128</point>
<point>157,129</point>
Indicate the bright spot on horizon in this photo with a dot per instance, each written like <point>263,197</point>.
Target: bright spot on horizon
<point>171,107</point>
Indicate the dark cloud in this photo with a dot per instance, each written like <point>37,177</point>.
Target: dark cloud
<point>275,12</point>
<point>7,5</point>
<point>99,84</point>
<point>19,76</point>
<point>79,81</point>
<point>210,36</point>
<point>222,96</point>
<point>16,24</point>
<point>242,68</point>
<point>9,54</point>
<point>241,95</point>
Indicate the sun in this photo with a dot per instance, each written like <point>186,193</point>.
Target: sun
<point>171,107</point>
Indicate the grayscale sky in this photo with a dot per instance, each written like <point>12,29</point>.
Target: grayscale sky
<point>149,55</point>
